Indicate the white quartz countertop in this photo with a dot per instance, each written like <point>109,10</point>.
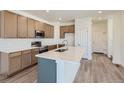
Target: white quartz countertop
<point>17,49</point>
<point>73,54</point>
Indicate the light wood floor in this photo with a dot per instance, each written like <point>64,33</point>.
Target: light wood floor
<point>99,70</point>
<point>27,76</point>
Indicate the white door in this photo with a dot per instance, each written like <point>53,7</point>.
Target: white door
<point>83,36</point>
<point>99,37</point>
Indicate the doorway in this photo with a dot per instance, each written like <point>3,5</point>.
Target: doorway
<point>99,36</point>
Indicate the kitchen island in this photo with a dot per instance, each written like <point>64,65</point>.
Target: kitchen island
<point>59,66</point>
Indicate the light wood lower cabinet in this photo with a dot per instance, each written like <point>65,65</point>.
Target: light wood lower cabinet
<point>34,59</point>
<point>51,47</point>
<point>26,58</point>
<point>14,62</point>
<point>11,63</point>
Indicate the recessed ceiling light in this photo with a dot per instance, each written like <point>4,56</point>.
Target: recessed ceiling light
<point>47,11</point>
<point>60,19</point>
<point>100,12</point>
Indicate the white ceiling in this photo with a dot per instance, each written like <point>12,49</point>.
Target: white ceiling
<point>66,15</point>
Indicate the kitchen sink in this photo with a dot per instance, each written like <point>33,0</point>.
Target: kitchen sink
<point>61,50</point>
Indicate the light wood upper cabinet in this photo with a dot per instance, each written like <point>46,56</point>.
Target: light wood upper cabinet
<point>10,25</point>
<point>41,26</point>
<point>14,62</point>
<point>63,29</point>
<point>22,27</point>
<point>71,29</point>
<point>17,26</point>
<point>49,31</point>
<point>66,29</point>
<point>31,28</point>
<point>37,25</point>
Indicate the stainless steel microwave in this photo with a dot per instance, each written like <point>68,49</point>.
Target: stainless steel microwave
<point>39,34</point>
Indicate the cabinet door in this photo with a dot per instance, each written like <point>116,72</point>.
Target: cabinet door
<point>63,29</point>
<point>10,25</point>
<point>71,29</point>
<point>46,29</point>
<point>14,62</point>
<point>26,58</point>
<point>22,27</point>
<point>37,25</point>
<point>66,29</point>
<point>51,31</point>
<point>41,26</point>
<point>51,47</point>
<point>34,52</point>
<point>31,28</point>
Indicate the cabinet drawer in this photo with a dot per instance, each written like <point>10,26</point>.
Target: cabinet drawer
<point>26,51</point>
<point>15,54</point>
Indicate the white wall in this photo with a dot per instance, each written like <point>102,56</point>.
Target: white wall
<point>83,36</point>
<point>56,30</point>
<point>122,40</point>
<point>110,36</point>
<point>118,38</point>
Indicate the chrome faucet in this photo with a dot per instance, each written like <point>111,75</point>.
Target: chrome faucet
<point>66,44</point>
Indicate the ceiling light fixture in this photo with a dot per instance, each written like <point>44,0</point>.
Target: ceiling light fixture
<point>60,19</point>
<point>100,12</point>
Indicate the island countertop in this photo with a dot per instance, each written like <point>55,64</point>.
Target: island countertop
<point>73,54</point>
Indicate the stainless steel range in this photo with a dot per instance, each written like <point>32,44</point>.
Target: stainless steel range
<point>39,44</point>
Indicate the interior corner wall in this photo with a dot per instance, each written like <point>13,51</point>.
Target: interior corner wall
<point>117,28</point>
<point>122,40</point>
<point>110,36</point>
<point>56,30</point>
